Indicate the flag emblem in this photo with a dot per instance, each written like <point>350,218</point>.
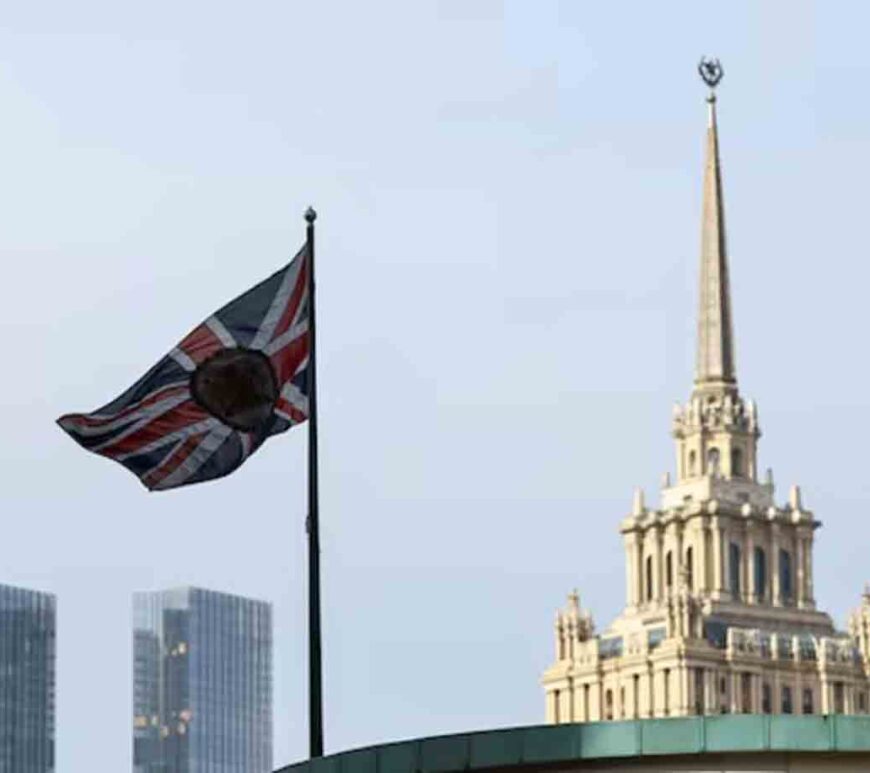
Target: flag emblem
<point>235,380</point>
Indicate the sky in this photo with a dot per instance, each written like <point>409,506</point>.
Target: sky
<point>508,236</point>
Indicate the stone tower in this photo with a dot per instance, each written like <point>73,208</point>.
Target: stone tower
<point>719,615</point>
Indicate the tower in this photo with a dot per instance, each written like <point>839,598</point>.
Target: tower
<point>27,680</point>
<point>720,615</point>
<point>202,683</point>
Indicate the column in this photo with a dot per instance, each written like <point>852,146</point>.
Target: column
<point>735,692</point>
<point>749,561</point>
<point>684,680</point>
<point>808,557</point>
<point>639,569</point>
<point>711,692</point>
<point>756,693</point>
<point>700,553</point>
<point>678,552</point>
<point>800,578</point>
<point>650,694</point>
<point>565,704</point>
<point>825,697</point>
<point>774,565</point>
<point>631,598</point>
<point>659,562</point>
<point>552,699</point>
<point>576,702</point>
<point>716,558</point>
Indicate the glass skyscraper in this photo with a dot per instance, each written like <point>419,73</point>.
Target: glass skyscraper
<point>202,683</point>
<point>27,654</point>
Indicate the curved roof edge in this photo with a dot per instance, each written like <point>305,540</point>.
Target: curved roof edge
<point>544,744</point>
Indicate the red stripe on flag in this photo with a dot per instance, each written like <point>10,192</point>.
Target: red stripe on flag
<point>95,420</point>
<point>289,313</point>
<point>200,344</point>
<point>173,420</point>
<point>284,406</point>
<point>286,361</point>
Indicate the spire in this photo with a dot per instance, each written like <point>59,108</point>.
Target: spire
<point>715,363</point>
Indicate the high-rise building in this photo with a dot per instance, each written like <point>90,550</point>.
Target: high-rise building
<point>720,614</point>
<point>27,657</point>
<point>202,683</point>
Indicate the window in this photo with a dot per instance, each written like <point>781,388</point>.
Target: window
<point>765,698</point>
<point>746,693</point>
<point>862,702</point>
<point>736,463</point>
<point>635,695</point>
<point>734,568</point>
<point>556,707</point>
<point>610,647</point>
<point>622,703</point>
<point>786,700</point>
<point>586,702</point>
<point>655,636</point>
<point>839,698</point>
<point>807,702</point>
<point>713,461</point>
<point>608,704</point>
<point>669,569</point>
<point>785,575</point>
<point>723,695</point>
<point>649,579</point>
<point>699,691</point>
<point>760,573</point>
<point>693,462</point>
<point>690,569</point>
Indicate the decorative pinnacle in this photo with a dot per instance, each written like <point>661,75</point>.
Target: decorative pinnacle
<point>310,215</point>
<point>711,72</point>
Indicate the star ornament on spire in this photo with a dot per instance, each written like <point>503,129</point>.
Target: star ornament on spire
<point>711,71</point>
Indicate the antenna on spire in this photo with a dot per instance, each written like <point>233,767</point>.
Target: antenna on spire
<point>711,73</point>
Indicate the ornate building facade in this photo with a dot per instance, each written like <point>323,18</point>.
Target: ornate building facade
<point>720,614</point>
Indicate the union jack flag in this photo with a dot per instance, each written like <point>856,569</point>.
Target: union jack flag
<point>235,380</point>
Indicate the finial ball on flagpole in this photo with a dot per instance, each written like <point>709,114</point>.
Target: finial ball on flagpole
<point>310,215</point>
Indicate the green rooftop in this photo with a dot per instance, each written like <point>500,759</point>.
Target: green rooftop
<point>546,744</point>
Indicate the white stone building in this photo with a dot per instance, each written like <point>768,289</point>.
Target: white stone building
<point>720,615</point>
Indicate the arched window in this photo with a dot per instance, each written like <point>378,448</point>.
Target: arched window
<point>736,463</point>
<point>760,573</point>
<point>608,704</point>
<point>649,579</point>
<point>734,568</point>
<point>690,569</point>
<point>713,461</point>
<point>693,462</point>
<point>669,569</point>
<point>786,588</point>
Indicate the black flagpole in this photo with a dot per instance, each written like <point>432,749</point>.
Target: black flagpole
<point>315,679</point>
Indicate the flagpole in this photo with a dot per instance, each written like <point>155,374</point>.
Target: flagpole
<point>315,678</point>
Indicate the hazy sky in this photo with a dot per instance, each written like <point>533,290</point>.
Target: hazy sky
<point>509,200</point>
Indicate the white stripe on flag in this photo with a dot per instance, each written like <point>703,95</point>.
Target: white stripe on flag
<point>201,454</point>
<point>184,432</point>
<point>183,359</point>
<point>279,302</point>
<point>221,333</point>
<point>288,336</point>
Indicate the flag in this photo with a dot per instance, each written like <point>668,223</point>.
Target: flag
<point>235,380</point>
